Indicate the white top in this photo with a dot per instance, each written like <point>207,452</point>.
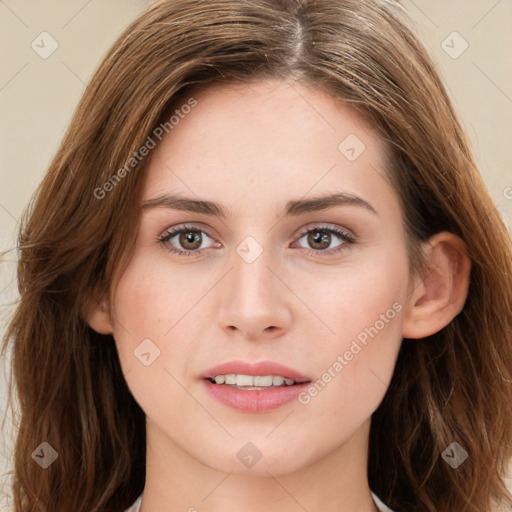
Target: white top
<point>136,506</point>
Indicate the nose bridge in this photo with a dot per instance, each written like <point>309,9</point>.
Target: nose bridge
<point>256,299</point>
<point>253,281</point>
<point>251,272</point>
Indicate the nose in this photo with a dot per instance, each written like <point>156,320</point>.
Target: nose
<point>255,299</point>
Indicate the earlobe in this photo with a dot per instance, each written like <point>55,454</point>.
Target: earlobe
<point>439,295</point>
<point>98,317</point>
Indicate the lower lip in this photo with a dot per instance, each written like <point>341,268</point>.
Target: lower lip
<point>254,400</point>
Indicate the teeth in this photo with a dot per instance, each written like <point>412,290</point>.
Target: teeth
<point>277,381</point>
<point>230,379</point>
<point>264,381</point>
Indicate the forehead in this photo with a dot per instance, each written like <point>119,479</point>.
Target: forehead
<point>266,140</point>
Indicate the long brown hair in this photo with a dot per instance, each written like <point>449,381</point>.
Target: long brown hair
<point>78,233</point>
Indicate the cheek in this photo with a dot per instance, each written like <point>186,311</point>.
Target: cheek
<point>353,297</point>
<point>150,305</point>
<point>143,314</point>
<point>139,304</point>
<point>156,307</point>
<point>151,299</point>
<point>363,305</point>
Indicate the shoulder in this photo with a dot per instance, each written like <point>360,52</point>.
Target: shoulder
<point>136,505</point>
<point>380,505</point>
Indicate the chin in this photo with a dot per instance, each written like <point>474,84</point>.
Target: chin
<point>251,458</point>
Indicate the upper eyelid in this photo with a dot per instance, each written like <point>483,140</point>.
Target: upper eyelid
<point>326,225</point>
<point>184,227</point>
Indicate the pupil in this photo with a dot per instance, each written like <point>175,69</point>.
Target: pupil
<point>318,237</point>
<point>188,238</point>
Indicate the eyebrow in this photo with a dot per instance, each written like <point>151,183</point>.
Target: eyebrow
<point>292,208</point>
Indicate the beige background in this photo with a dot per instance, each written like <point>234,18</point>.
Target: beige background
<point>37,96</point>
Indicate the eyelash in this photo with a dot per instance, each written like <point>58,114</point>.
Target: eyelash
<point>346,238</point>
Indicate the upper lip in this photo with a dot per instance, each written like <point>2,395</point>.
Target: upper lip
<point>259,368</point>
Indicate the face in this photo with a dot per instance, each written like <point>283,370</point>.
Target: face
<point>282,278</point>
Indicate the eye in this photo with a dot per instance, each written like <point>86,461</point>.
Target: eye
<point>188,237</point>
<point>321,237</point>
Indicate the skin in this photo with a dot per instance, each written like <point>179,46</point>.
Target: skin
<point>298,309</point>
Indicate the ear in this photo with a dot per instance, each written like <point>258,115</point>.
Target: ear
<point>439,296</point>
<point>98,316</point>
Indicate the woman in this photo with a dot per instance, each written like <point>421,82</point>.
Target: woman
<point>263,271</point>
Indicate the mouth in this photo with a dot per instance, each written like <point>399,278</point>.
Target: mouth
<point>254,399</point>
<point>254,387</point>
<point>262,374</point>
<point>254,382</point>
